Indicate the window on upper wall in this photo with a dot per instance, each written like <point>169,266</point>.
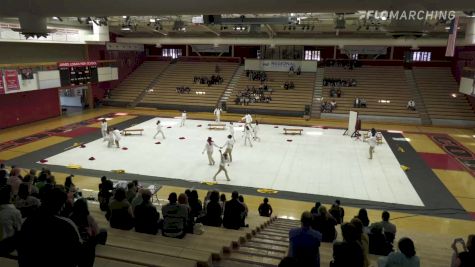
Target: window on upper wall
<point>312,55</point>
<point>421,56</point>
<point>354,56</point>
<point>171,52</point>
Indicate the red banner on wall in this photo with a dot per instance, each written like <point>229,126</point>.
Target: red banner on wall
<point>2,88</point>
<point>11,80</point>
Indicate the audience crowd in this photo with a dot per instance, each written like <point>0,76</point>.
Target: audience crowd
<point>345,63</point>
<point>213,80</point>
<point>253,95</point>
<point>255,75</point>
<point>339,82</point>
<point>183,90</point>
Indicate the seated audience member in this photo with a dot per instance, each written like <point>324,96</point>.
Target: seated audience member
<point>138,198</point>
<point>29,180</point>
<point>222,201</point>
<point>304,243</point>
<point>146,215</point>
<point>265,209</point>
<point>363,240</point>
<point>337,212</point>
<point>349,252</point>
<point>195,204</point>
<point>131,192</point>
<point>363,103</point>
<point>175,217</point>
<point>46,232</point>
<point>70,187</point>
<point>411,104</point>
<point>233,211</point>
<point>406,256</point>
<point>105,193</point>
<point>26,203</point>
<point>246,211</point>
<point>324,223</point>
<point>357,103</point>
<point>338,92</point>
<point>213,211</point>
<point>378,244</point>
<point>363,216</point>
<point>120,214</point>
<point>31,176</point>
<point>389,229</point>
<point>466,257</point>
<point>3,176</point>
<point>10,221</point>
<point>88,229</point>
<point>183,200</point>
<point>333,92</point>
<point>314,210</point>
<point>15,180</point>
<point>333,104</point>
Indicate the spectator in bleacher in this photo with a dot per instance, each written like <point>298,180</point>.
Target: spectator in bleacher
<point>89,231</point>
<point>314,210</point>
<point>357,103</point>
<point>233,211</point>
<point>333,104</point>
<point>222,201</point>
<point>378,244</point>
<point>363,240</point>
<point>195,204</point>
<point>47,239</point>
<point>26,203</point>
<point>175,217</point>
<point>120,211</point>
<point>411,104</point>
<point>138,199</point>
<point>406,256</point>
<point>265,209</point>
<point>183,200</point>
<point>246,211</point>
<point>466,257</point>
<point>338,92</point>
<point>146,215</point>
<point>333,92</point>
<point>389,229</point>
<point>3,175</point>
<point>105,193</point>
<point>363,216</point>
<point>304,243</point>
<point>15,180</point>
<point>31,176</point>
<point>349,252</point>
<point>213,211</point>
<point>324,223</point>
<point>10,221</point>
<point>337,212</point>
<point>131,192</point>
<point>363,103</point>
<point>71,188</point>
<point>29,179</point>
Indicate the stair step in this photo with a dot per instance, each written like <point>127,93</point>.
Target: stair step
<point>232,263</point>
<point>276,248</point>
<point>261,252</point>
<point>254,259</point>
<point>273,237</point>
<point>270,242</point>
<point>268,232</point>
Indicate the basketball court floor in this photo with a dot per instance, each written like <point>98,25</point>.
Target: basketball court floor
<point>319,162</point>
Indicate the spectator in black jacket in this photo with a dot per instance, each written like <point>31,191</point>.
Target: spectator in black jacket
<point>349,252</point>
<point>233,212</point>
<point>265,209</point>
<point>146,215</point>
<point>213,211</point>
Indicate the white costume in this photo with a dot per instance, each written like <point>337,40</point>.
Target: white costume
<point>255,130</point>
<point>372,145</point>
<point>159,131</point>
<point>222,167</point>
<point>209,150</point>
<point>229,148</point>
<point>247,136</point>
<point>104,130</point>
<point>217,113</point>
<point>110,139</point>
<point>183,119</point>
<point>231,131</point>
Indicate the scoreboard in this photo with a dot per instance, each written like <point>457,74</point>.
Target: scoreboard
<point>77,73</point>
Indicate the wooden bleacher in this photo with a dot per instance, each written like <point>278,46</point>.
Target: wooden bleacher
<point>436,86</point>
<point>164,94</point>
<point>129,89</point>
<point>284,102</point>
<point>373,84</point>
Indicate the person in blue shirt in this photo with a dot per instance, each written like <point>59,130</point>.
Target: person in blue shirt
<point>304,243</point>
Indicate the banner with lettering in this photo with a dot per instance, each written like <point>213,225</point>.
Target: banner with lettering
<point>11,80</point>
<point>280,65</point>
<point>2,87</point>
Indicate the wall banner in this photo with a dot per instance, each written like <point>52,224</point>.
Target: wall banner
<point>2,87</point>
<point>11,80</point>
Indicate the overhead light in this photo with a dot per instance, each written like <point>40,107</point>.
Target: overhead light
<point>152,20</point>
<point>447,28</point>
<point>454,95</point>
<point>125,28</point>
<point>124,17</point>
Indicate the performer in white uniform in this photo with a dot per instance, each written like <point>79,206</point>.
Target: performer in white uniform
<point>372,144</point>
<point>231,130</point>
<point>104,129</point>
<point>183,118</point>
<point>222,166</point>
<point>247,120</point>
<point>209,150</point>
<point>110,137</point>
<point>217,113</point>
<point>159,130</point>
<point>255,130</point>
<point>247,135</point>
<point>229,147</point>
<point>116,134</point>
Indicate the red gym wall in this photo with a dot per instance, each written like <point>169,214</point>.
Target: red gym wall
<point>21,108</point>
